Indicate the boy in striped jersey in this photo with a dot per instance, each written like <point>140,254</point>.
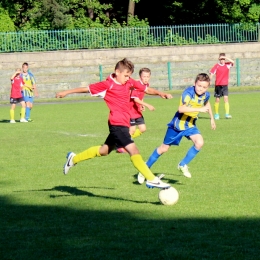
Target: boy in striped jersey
<point>194,100</point>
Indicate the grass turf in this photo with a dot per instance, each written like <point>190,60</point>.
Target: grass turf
<point>100,211</point>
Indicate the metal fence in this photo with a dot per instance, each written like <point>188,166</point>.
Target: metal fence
<point>99,38</point>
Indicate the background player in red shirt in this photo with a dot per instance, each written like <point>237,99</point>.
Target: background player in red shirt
<point>137,106</point>
<point>16,96</point>
<point>221,70</point>
<point>116,92</point>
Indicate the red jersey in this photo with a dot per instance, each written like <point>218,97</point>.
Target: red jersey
<point>136,109</point>
<point>117,98</point>
<point>16,91</point>
<point>222,73</point>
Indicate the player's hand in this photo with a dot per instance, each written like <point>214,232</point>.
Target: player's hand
<point>204,109</point>
<point>165,95</point>
<point>150,107</point>
<point>142,108</point>
<point>213,124</point>
<point>60,94</point>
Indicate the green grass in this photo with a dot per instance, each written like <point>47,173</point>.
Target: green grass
<point>99,211</point>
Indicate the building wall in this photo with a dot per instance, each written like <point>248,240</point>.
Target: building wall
<point>59,70</point>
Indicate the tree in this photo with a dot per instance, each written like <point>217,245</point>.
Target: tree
<point>6,23</point>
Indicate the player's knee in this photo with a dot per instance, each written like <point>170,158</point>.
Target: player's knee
<point>163,149</point>
<point>199,144</point>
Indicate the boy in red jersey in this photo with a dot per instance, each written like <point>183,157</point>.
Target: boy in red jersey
<point>16,96</point>
<point>221,70</point>
<point>137,105</point>
<point>116,92</point>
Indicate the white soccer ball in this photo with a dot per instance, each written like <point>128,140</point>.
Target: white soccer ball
<point>168,196</point>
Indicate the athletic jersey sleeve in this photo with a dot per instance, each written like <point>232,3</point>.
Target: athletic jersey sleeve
<point>136,84</point>
<point>137,94</point>
<point>99,89</point>
<point>213,70</point>
<point>32,78</point>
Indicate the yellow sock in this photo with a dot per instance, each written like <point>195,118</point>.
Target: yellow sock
<point>227,108</point>
<point>216,106</point>
<point>136,133</point>
<point>141,166</point>
<point>12,114</point>
<point>23,112</point>
<point>87,154</point>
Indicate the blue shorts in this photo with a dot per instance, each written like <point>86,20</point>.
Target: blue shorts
<point>173,137</point>
<point>28,99</point>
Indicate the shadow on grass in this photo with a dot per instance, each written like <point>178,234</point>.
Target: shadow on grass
<point>51,232</point>
<point>74,191</point>
<point>7,121</point>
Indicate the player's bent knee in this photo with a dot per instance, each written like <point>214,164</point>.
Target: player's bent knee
<point>199,145</point>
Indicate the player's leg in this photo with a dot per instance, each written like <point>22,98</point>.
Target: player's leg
<point>73,159</point>
<point>198,141</point>
<point>172,137</point>
<point>141,127</point>
<point>217,100</point>
<point>90,153</point>
<point>22,118</point>
<point>225,94</point>
<point>12,101</point>
<point>27,108</point>
<point>29,105</point>
<point>140,165</point>
<point>123,139</point>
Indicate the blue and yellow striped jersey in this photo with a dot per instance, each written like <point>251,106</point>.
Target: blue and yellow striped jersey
<point>183,121</point>
<point>29,81</point>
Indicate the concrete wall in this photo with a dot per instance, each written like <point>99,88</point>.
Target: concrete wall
<point>59,70</point>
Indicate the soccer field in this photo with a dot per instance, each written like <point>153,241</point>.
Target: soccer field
<point>99,211</point>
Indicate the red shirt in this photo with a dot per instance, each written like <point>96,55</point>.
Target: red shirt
<point>222,73</point>
<point>17,83</point>
<point>135,108</point>
<point>117,98</point>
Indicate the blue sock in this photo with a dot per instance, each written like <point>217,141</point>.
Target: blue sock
<point>153,158</point>
<point>27,113</point>
<point>189,156</point>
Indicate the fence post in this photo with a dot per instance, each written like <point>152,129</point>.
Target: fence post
<point>100,72</point>
<point>238,71</point>
<point>169,75</point>
<point>259,32</point>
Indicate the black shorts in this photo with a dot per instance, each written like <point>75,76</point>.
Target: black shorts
<point>119,136</point>
<point>137,121</point>
<point>16,100</point>
<point>221,91</point>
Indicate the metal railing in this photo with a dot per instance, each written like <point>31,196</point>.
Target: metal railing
<point>100,38</point>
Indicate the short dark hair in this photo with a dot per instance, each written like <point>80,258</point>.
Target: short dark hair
<point>25,63</point>
<point>144,70</point>
<point>222,54</point>
<point>125,64</point>
<point>202,77</point>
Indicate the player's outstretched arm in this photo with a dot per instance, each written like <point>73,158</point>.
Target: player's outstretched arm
<point>212,121</point>
<point>152,91</point>
<point>139,101</point>
<point>64,93</point>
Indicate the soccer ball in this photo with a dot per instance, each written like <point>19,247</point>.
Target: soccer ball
<point>168,196</point>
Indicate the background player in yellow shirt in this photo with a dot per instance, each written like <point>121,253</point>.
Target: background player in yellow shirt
<point>29,91</point>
